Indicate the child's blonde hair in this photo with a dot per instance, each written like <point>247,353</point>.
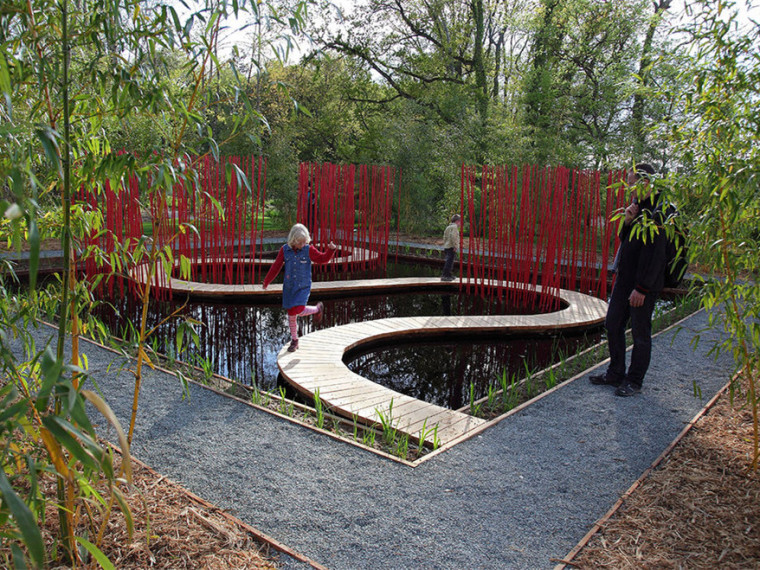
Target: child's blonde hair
<point>298,233</point>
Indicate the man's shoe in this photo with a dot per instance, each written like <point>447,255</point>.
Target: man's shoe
<point>603,380</point>
<point>628,389</point>
<point>293,345</point>
<point>448,278</point>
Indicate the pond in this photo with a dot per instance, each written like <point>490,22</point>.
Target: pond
<point>241,340</point>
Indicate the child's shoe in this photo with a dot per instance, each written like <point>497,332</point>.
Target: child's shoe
<point>319,313</point>
<point>293,345</point>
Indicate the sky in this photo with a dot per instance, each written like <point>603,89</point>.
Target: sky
<point>241,33</point>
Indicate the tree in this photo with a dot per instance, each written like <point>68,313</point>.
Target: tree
<point>716,142</point>
<point>645,68</point>
<point>121,51</point>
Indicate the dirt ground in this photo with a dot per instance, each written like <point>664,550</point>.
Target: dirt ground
<point>172,530</point>
<point>698,509</point>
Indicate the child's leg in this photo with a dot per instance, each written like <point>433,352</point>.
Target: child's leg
<point>309,310</point>
<point>293,325</point>
<point>293,314</point>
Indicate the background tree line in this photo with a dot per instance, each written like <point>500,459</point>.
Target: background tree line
<point>426,85</point>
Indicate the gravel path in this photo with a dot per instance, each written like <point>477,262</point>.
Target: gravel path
<point>521,493</point>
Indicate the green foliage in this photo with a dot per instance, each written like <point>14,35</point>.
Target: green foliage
<point>78,80</point>
<point>319,410</point>
<point>389,431</point>
<point>716,140</point>
<point>41,439</point>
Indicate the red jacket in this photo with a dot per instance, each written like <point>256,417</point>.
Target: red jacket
<point>315,255</point>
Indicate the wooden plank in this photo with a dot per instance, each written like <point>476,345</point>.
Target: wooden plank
<point>348,389</point>
<point>359,408</point>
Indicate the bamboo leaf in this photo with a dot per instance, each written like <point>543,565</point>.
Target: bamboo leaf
<point>66,439</point>
<point>107,413</point>
<point>51,373</point>
<point>97,554</point>
<point>125,510</point>
<point>13,410</point>
<point>34,252</point>
<point>25,521</point>
<point>19,560</point>
<point>48,140</point>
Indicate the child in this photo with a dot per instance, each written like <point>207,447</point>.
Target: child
<point>297,256</point>
<point>451,246</point>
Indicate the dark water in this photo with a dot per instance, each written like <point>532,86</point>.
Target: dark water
<point>241,340</point>
<point>440,372</point>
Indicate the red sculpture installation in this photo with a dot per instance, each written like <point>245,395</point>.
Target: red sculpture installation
<point>537,226</point>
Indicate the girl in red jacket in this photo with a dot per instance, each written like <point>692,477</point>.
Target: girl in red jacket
<point>297,256</point>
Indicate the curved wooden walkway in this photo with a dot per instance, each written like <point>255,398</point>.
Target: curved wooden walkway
<point>318,365</point>
<point>200,290</point>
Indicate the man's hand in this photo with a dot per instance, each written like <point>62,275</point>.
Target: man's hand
<point>636,299</point>
<point>630,213</point>
<point>331,245</point>
<point>264,286</point>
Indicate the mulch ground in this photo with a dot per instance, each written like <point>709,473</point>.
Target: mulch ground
<point>699,509</point>
<point>172,531</point>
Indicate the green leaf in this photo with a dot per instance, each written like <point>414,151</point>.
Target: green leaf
<point>16,409</point>
<point>19,560</point>
<point>125,510</point>
<point>97,554</point>
<point>48,139</point>
<point>60,430</point>
<point>51,373</point>
<point>34,252</point>
<point>5,78</point>
<point>25,521</point>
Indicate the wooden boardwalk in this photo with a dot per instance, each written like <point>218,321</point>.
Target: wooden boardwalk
<point>318,365</point>
<point>199,290</point>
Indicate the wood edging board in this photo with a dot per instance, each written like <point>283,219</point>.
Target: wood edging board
<point>567,560</point>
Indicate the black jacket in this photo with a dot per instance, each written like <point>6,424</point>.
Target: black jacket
<point>641,264</point>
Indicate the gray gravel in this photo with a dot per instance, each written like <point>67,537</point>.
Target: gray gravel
<point>521,493</point>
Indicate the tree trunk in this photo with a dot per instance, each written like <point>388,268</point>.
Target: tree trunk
<point>481,83</point>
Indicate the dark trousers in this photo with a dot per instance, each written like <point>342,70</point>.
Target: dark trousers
<point>618,313</point>
<point>448,265</point>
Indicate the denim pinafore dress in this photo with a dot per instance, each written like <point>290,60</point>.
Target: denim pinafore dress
<point>296,285</point>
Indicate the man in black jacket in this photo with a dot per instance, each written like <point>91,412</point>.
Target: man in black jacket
<point>640,278</point>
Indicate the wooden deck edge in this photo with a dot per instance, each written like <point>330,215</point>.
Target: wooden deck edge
<point>580,311</point>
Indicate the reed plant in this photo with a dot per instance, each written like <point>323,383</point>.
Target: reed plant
<point>320,413</point>
<point>475,407</point>
<point>389,432</point>
<point>402,446</point>
<point>285,407</point>
<point>368,437</point>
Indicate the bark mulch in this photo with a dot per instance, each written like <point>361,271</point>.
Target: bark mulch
<point>172,530</point>
<point>698,509</point>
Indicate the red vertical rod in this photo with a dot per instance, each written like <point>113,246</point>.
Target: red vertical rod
<point>263,182</point>
<point>254,248</point>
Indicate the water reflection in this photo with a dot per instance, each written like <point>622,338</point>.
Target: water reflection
<point>241,341</point>
<point>441,372</point>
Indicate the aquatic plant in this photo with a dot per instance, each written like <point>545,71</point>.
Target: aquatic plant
<point>320,419</point>
<point>389,432</point>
